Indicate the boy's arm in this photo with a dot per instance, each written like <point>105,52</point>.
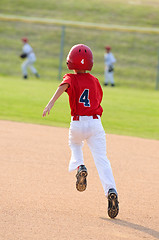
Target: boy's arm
<point>57,94</point>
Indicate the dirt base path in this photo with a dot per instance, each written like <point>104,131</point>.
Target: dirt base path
<point>38,198</point>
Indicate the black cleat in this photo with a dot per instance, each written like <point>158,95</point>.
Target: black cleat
<point>37,75</point>
<point>25,76</point>
<point>113,207</point>
<point>81,175</point>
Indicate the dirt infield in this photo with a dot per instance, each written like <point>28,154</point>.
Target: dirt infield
<point>38,198</point>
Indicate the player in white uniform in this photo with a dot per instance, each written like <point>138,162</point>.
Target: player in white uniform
<point>27,52</point>
<point>109,61</point>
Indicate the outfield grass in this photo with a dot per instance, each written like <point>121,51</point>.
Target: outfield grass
<point>124,12</point>
<point>136,53</point>
<point>127,111</point>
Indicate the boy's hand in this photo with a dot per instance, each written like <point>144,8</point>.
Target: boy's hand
<point>47,110</point>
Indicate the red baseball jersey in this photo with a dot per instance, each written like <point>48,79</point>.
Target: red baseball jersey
<point>85,94</point>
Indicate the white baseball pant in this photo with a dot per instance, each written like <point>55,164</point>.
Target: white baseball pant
<point>28,63</point>
<point>109,77</point>
<point>92,131</point>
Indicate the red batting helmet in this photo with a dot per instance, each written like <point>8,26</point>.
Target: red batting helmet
<point>24,39</point>
<point>108,47</point>
<point>80,57</point>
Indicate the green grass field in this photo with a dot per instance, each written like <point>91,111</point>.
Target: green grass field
<point>132,108</point>
<point>124,12</point>
<point>136,53</point>
<point>131,112</point>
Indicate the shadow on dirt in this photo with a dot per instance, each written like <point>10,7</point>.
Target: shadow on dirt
<point>133,226</point>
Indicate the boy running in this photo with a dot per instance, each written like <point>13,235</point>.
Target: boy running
<point>85,96</point>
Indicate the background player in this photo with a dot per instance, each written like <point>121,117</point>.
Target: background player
<point>27,52</point>
<point>109,61</point>
<point>85,96</point>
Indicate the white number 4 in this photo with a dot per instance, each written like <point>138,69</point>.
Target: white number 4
<point>82,61</point>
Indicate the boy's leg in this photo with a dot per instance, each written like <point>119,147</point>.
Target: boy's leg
<point>24,66</point>
<point>77,162</point>
<point>106,77</point>
<point>76,156</point>
<point>97,145</point>
<point>33,69</point>
<point>111,77</point>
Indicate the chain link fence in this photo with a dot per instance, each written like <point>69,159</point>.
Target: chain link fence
<point>136,53</point>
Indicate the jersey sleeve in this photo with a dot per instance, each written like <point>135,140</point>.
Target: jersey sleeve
<point>113,60</point>
<point>67,79</point>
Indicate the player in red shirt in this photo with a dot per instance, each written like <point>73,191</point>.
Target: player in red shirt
<point>85,96</point>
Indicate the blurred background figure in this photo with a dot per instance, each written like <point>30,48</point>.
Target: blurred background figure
<point>109,61</point>
<point>27,52</point>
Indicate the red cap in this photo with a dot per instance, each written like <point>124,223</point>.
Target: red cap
<point>24,39</point>
<point>108,47</point>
